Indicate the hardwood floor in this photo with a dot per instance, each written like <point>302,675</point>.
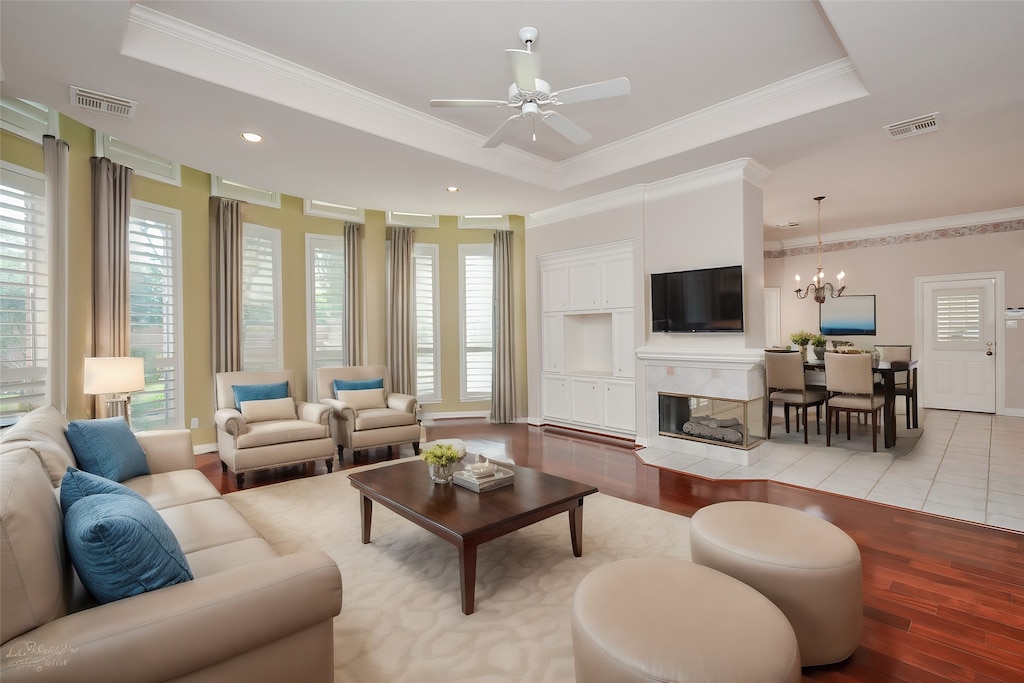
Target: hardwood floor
<point>943,599</point>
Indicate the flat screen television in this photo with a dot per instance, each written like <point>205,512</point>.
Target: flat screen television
<point>848,315</point>
<point>706,300</point>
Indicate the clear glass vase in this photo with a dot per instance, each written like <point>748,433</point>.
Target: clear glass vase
<point>441,474</point>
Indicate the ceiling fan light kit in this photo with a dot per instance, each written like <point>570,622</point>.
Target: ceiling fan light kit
<point>529,92</point>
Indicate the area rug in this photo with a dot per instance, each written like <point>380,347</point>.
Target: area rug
<point>401,617</point>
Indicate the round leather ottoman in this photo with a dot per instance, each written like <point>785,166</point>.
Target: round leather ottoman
<point>665,619</point>
<point>808,567</point>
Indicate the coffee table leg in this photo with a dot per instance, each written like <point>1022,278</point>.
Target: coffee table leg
<point>467,576</point>
<point>576,529</point>
<point>365,515</point>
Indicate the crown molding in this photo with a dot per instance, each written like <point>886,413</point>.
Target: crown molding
<point>739,169</point>
<point>1015,213</point>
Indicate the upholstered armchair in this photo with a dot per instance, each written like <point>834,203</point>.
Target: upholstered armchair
<point>260,425</point>
<point>364,411</point>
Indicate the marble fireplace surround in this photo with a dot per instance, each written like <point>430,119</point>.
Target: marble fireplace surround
<point>736,374</point>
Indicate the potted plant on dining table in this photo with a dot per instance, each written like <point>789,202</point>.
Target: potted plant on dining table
<point>818,344</point>
<point>802,339</point>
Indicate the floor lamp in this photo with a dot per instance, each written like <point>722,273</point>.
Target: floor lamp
<point>117,377</point>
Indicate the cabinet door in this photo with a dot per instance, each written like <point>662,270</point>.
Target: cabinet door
<point>617,283</point>
<point>553,343</point>
<point>620,405</point>
<point>623,344</point>
<point>585,286</point>
<point>554,287</point>
<point>586,401</point>
<point>555,397</point>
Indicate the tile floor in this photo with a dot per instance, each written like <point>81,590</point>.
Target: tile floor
<point>967,466</point>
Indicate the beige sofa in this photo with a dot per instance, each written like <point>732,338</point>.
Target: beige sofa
<point>248,615</point>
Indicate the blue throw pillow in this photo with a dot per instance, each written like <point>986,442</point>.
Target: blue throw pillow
<point>121,547</point>
<point>76,485</point>
<point>107,448</point>
<point>258,392</point>
<point>357,385</point>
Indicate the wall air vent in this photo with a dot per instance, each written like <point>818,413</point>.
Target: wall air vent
<point>103,104</point>
<point>916,126</point>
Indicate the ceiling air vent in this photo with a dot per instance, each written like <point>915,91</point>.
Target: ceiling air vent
<point>916,126</point>
<point>103,104</point>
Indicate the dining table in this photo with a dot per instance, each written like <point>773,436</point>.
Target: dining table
<point>887,371</point>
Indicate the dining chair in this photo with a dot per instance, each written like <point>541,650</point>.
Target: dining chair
<point>850,386</point>
<point>785,383</point>
<point>905,381</point>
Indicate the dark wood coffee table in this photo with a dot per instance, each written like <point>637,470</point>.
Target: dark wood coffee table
<point>465,518</point>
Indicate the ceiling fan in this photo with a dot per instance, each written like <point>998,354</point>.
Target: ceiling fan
<point>529,93</point>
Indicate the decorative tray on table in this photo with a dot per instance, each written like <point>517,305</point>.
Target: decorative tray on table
<point>484,478</point>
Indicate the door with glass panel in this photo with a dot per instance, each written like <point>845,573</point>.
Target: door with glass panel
<point>958,359</point>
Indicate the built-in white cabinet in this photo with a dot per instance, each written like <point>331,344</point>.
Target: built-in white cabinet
<point>589,338</point>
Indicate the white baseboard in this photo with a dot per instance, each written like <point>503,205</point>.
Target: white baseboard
<point>204,448</point>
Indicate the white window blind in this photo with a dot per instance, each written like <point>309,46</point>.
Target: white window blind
<point>325,296</point>
<point>958,318</point>
<point>24,294</point>
<point>476,287</point>
<point>426,301</point>
<point>155,306</point>
<point>261,298</point>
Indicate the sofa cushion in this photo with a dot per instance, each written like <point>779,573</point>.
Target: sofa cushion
<point>33,563</point>
<point>122,547</point>
<point>107,448</point>
<point>77,485</point>
<point>44,427</point>
<point>357,384</point>
<point>281,431</point>
<point>179,487</point>
<point>258,392</point>
<point>379,418</point>
<point>269,409</point>
<point>361,399</point>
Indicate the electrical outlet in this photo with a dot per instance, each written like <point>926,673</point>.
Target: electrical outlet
<point>195,423</point>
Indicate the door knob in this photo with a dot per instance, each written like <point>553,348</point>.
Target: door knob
<point>989,352</point>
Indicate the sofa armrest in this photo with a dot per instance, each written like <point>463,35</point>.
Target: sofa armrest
<point>344,411</point>
<point>314,412</point>
<point>183,628</point>
<point>403,402</point>
<point>231,421</point>
<point>167,450</point>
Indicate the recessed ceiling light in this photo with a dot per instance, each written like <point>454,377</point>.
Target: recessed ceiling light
<point>252,137</point>
<point>452,188</point>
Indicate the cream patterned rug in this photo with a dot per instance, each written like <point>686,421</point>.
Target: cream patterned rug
<point>401,618</point>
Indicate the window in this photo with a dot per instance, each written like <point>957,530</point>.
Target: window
<point>325,297</point>
<point>476,286</point>
<point>155,311</point>
<point>427,306</point>
<point>25,286</point>
<point>261,298</point>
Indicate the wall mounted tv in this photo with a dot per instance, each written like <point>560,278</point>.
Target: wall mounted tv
<point>707,300</point>
<point>849,315</point>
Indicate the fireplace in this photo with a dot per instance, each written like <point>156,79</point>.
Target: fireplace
<point>720,421</point>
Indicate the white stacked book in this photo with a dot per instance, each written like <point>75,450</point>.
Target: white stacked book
<point>484,481</point>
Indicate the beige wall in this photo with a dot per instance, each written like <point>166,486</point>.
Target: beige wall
<point>192,200</point>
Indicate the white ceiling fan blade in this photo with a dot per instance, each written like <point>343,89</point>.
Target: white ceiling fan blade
<point>468,103</point>
<point>616,87</point>
<point>502,131</point>
<point>525,68</point>
<point>565,127</point>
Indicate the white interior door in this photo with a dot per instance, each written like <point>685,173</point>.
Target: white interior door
<point>773,316</point>
<point>958,362</point>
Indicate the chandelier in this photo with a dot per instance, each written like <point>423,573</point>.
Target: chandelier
<point>818,287</point>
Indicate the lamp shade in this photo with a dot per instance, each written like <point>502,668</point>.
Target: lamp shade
<point>114,375</point>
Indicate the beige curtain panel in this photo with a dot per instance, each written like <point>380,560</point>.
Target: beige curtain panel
<point>401,338</point>
<point>111,209</point>
<point>503,384</point>
<point>354,295</point>
<point>55,179</point>
<point>226,267</point>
